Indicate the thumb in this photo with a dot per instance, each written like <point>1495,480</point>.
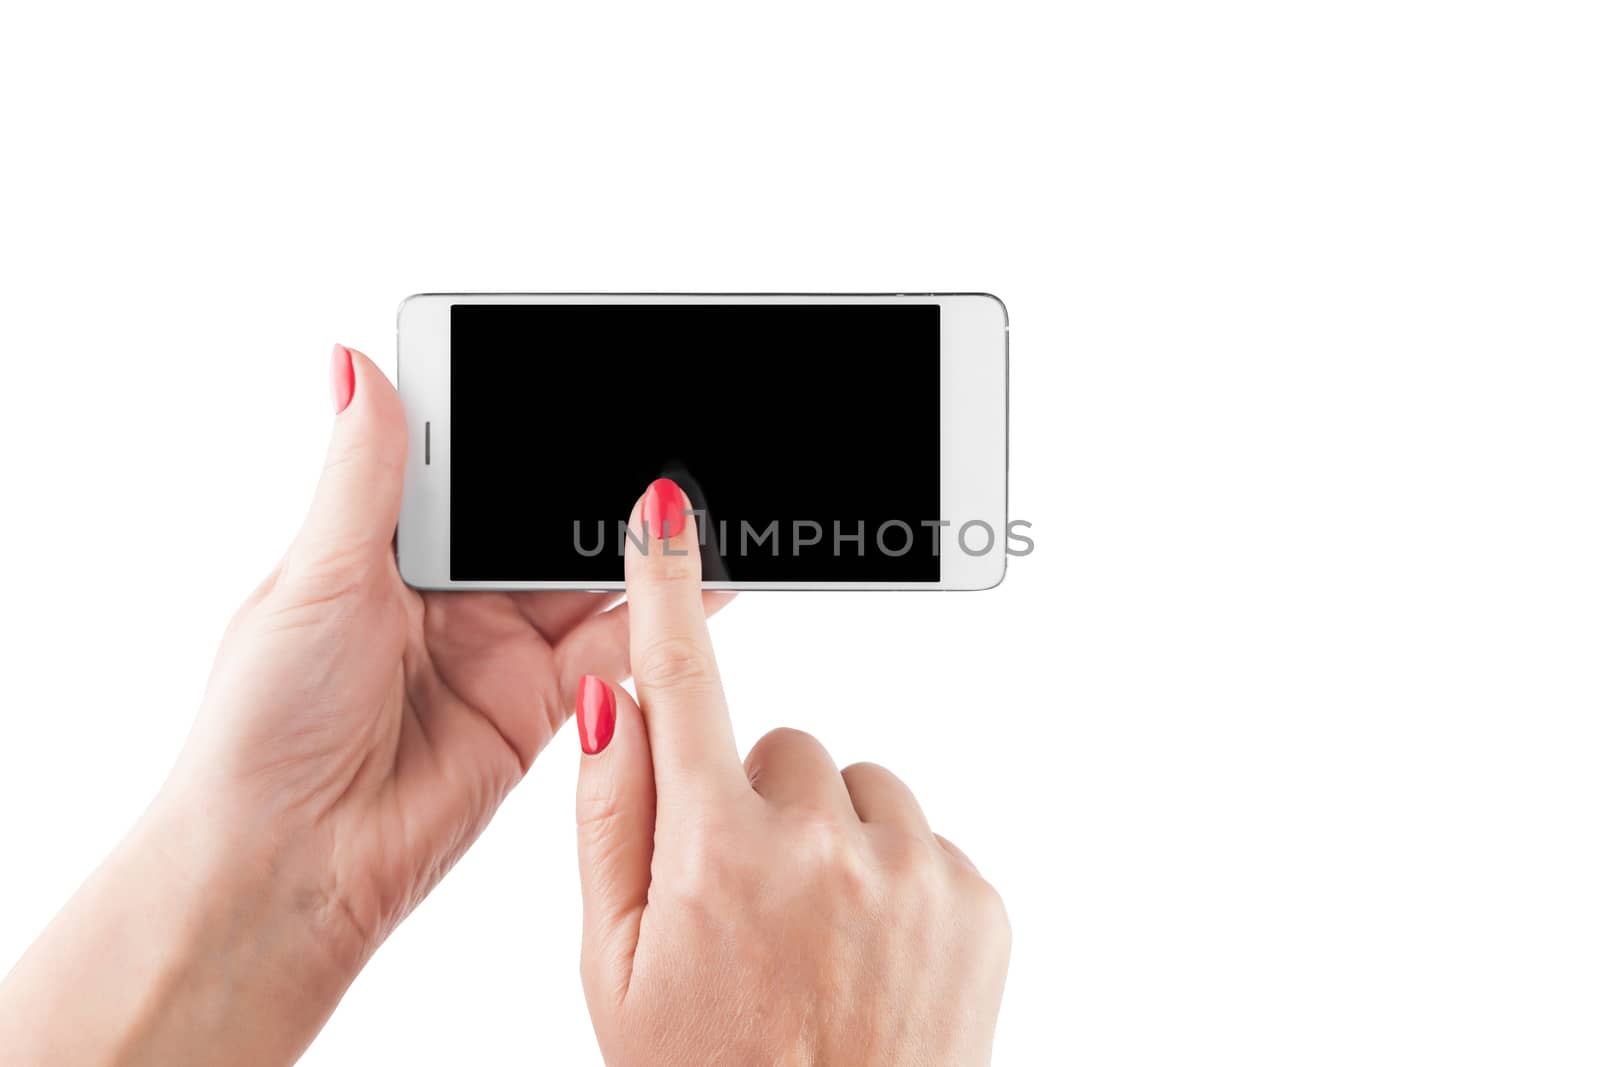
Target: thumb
<point>357,503</point>
<point>616,835</point>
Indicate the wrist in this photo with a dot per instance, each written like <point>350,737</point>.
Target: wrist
<point>194,941</point>
<point>259,949</point>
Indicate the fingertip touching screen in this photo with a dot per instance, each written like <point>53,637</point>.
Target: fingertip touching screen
<point>805,435</point>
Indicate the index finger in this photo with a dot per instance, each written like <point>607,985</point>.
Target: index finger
<point>674,668</point>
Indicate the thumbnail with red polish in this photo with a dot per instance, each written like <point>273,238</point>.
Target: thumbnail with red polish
<point>664,509</point>
<point>342,377</point>
<point>596,714</point>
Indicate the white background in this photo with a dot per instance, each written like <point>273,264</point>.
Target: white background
<point>1283,746</point>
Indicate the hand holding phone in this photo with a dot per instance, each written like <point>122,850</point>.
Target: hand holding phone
<point>354,738</point>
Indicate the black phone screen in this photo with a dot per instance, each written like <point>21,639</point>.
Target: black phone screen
<point>805,435</point>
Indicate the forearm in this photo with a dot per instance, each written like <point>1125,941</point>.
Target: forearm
<point>182,948</point>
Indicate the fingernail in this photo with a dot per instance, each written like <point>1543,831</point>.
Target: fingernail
<point>663,509</point>
<point>596,713</point>
<point>342,376</point>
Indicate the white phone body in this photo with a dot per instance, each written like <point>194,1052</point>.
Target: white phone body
<point>973,373</point>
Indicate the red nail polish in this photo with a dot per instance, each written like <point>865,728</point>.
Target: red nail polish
<point>596,713</point>
<point>664,509</point>
<point>342,376</point>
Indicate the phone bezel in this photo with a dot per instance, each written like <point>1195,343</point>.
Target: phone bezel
<point>973,372</point>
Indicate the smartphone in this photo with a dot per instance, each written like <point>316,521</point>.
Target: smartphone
<point>825,441</point>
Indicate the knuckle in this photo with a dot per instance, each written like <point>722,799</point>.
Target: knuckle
<point>702,870</point>
<point>826,854</point>
<point>787,735</point>
<point>774,748</point>
<point>992,908</point>
<point>818,838</point>
<point>872,776</point>
<point>393,436</point>
<point>599,813</point>
<point>605,834</point>
<point>978,897</point>
<point>381,452</point>
<point>668,565</point>
<point>916,865</point>
<point>675,662</point>
<point>863,769</point>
